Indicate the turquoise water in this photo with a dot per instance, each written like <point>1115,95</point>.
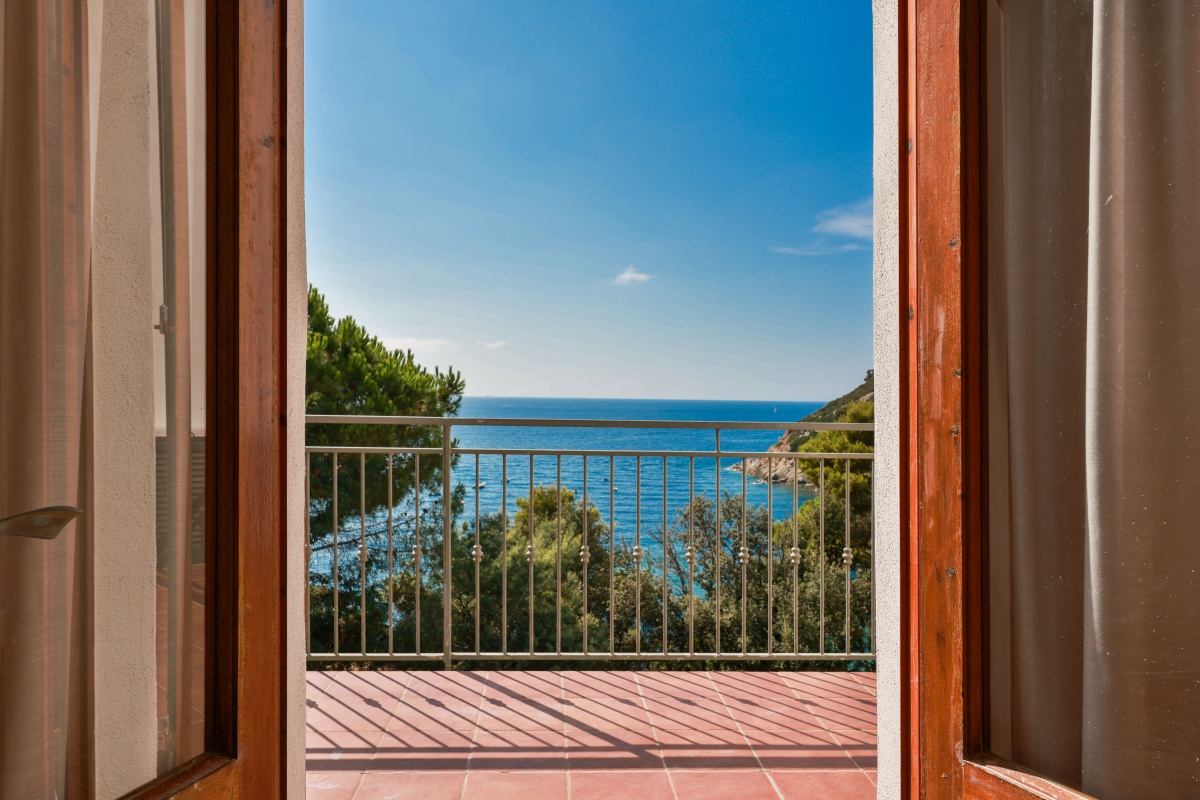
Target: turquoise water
<point>493,491</point>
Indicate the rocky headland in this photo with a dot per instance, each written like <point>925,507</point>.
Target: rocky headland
<point>781,470</point>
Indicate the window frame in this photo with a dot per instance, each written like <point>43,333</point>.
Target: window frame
<point>245,622</point>
<point>943,413</point>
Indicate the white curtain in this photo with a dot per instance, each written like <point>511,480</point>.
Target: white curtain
<point>1094,391</point>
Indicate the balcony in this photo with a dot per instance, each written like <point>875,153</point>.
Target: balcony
<point>555,586</point>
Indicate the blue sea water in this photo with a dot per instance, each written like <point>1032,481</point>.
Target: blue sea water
<point>493,492</point>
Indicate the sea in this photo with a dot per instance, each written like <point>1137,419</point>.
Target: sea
<point>499,484</point>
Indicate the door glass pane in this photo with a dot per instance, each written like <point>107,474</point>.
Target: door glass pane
<point>180,284</point>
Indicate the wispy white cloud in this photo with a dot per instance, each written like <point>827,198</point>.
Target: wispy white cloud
<point>855,220</point>
<point>631,274</point>
<point>819,249</point>
<point>418,344</point>
<point>495,345</point>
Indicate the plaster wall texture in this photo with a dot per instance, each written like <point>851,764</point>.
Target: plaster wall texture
<point>123,516</point>
<point>887,390</point>
<point>297,325</point>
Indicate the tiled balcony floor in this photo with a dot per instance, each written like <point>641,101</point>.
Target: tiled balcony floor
<point>581,735</point>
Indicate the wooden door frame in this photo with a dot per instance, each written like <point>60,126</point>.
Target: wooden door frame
<point>943,411</point>
<point>245,686</point>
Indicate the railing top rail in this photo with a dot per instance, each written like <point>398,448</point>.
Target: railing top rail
<point>514,422</point>
<point>526,451</point>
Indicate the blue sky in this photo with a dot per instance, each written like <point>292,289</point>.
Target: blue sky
<point>603,199</point>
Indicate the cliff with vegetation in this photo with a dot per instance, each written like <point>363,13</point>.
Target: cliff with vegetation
<point>856,405</point>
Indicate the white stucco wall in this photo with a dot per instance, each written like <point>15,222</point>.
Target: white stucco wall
<point>297,326</point>
<point>887,391</point>
<point>123,522</point>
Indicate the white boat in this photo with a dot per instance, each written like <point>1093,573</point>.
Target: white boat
<point>481,484</point>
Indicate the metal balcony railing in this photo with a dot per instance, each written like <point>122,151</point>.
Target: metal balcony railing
<point>418,548</point>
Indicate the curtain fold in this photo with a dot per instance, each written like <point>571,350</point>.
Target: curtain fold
<point>44,426</point>
<point>1142,625</point>
<point>1094,286</point>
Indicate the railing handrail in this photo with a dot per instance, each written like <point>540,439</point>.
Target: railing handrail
<point>533,422</point>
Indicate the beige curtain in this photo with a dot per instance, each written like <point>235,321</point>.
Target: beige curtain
<point>44,428</point>
<point>1094,384</point>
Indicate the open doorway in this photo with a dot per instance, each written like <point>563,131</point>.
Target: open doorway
<point>531,567</point>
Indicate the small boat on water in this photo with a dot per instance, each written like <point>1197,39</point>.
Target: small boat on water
<point>481,484</point>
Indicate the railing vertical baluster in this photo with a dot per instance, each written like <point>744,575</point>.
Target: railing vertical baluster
<point>612,555</point>
<point>447,542</point>
<point>362,548</point>
<point>770,557</point>
<point>504,553</point>
<point>847,556</point>
<point>637,557</point>
<point>529,555</point>
<point>477,553</point>
<point>871,500</point>
<point>691,555</point>
<point>720,544</point>
<point>391,565</point>
<point>308,551</point>
<point>558,561</point>
<point>585,554</point>
<point>416,553</point>
<point>337,614</point>
<point>744,556</point>
<point>821,605</point>
<point>795,556</point>
<point>665,576</point>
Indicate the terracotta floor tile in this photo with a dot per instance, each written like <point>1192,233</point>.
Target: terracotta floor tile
<point>686,685</point>
<point>853,713</point>
<point>825,684</point>
<point>515,685</point>
<point>599,684</point>
<point>773,714</point>
<point>726,785</point>
<point>678,714</point>
<point>331,785</point>
<point>339,751</point>
<point>859,745</point>
<point>613,750</point>
<point>411,786</point>
<point>758,685</point>
<point>315,682</point>
<point>519,750</point>
<point>522,714</point>
<point>845,785</point>
<point>465,685</point>
<point>516,786</point>
<point>341,714</point>
<point>791,750</point>
<point>717,749</point>
<point>609,785</point>
<point>867,679</point>
<point>390,681</point>
<point>429,715</point>
<point>437,750</point>
<point>588,714</point>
